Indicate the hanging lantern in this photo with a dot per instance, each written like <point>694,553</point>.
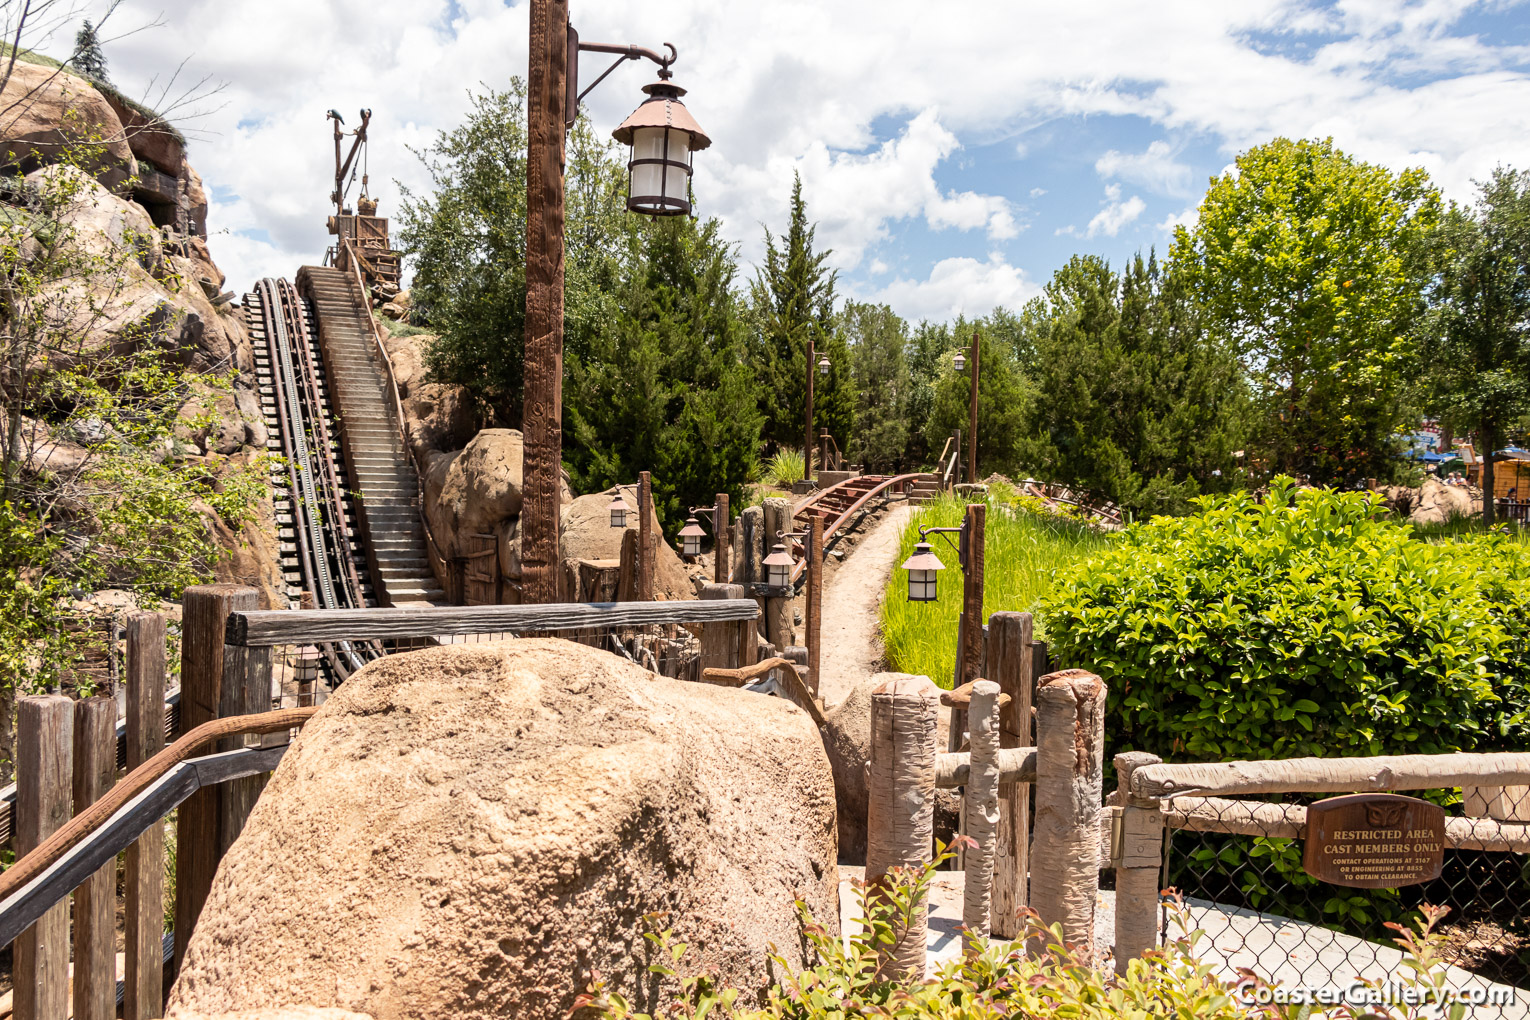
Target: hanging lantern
<point>921,569</point>
<point>661,135</point>
<point>823,365</point>
<point>778,567</point>
<point>618,508</point>
<point>960,361</point>
<point>690,537</point>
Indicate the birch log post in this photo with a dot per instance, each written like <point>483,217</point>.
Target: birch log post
<point>900,814</point>
<point>44,786</point>
<point>1009,665</point>
<point>981,798</point>
<point>1070,763</point>
<point>1140,866</point>
<point>95,901</point>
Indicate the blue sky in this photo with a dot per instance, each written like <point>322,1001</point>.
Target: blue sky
<point>954,155</point>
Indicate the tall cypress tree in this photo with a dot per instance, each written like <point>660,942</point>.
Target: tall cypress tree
<point>793,301</point>
<point>88,58</point>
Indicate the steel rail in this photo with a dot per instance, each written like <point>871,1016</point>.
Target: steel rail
<point>883,483</point>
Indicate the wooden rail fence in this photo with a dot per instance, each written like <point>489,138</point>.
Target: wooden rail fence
<point>68,759</point>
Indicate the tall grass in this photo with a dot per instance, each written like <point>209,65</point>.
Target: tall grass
<point>1021,552</point>
<point>784,469</point>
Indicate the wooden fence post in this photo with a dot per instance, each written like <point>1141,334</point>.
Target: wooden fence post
<point>1139,864</point>
<point>981,800</point>
<point>814,602</point>
<point>1009,665</point>
<point>900,812</point>
<point>627,568</point>
<point>44,787</point>
<point>95,901</point>
<point>246,689</point>
<point>969,640</point>
<point>721,645</point>
<point>204,616</point>
<point>144,909</point>
<point>1070,763</point>
<point>722,539</point>
<point>645,550</point>
<point>778,611</point>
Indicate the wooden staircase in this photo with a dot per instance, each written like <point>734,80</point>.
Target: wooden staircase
<point>926,487</point>
<point>386,487</point>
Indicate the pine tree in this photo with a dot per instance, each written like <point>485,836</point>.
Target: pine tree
<point>877,337</point>
<point>88,58</point>
<point>793,301</point>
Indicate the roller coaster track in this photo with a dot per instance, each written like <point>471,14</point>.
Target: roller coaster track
<point>314,514</point>
<point>844,503</point>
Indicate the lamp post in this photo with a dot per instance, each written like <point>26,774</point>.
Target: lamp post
<point>807,435</point>
<point>692,534</point>
<point>921,568</point>
<point>661,135</point>
<point>960,362</point>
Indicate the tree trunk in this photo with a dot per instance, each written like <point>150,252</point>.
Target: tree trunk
<point>1485,436</point>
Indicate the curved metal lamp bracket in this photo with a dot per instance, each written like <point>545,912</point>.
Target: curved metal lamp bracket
<point>575,96</point>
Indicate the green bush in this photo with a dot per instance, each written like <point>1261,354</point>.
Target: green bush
<point>784,468</point>
<point>1303,625</point>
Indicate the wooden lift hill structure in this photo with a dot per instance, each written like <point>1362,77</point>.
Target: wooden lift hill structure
<point>366,232</point>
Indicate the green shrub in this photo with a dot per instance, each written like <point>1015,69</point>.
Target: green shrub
<point>1303,625</point>
<point>784,468</point>
<point>1024,543</point>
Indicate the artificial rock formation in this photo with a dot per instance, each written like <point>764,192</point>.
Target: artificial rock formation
<point>847,740</point>
<point>587,535</point>
<point>48,108</point>
<point>477,830</point>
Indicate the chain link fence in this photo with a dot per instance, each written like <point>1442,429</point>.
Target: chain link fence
<point>1238,866</point>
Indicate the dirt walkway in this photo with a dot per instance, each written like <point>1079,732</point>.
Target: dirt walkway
<point>852,608</point>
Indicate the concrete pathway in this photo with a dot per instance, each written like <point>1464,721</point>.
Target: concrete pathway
<point>852,608</point>
<point>1286,953</point>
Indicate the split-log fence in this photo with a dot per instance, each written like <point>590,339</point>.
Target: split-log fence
<point>73,815</point>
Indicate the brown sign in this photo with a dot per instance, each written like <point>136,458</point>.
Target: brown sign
<point>1374,841</point>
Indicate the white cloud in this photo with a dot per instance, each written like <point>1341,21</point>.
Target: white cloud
<point>1156,169</point>
<point>956,286</point>
<point>1115,214</point>
<point>1186,218</point>
<point>878,267</point>
<point>799,85</point>
<point>1038,192</point>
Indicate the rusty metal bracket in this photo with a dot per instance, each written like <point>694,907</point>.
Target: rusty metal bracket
<point>574,95</point>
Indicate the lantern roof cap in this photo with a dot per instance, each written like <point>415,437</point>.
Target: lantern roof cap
<point>692,527</point>
<point>924,558</point>
<point>662,108</point>
<point>779,557</point>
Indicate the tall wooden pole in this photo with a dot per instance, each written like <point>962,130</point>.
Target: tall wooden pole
<point>815,603</point>
<point>969,635</point>
<point>972,475</point>
<point>807,435</point>
<point>645,560</point>
<point>542,417</point>
<point>144,910</point>
<point>722,539</point>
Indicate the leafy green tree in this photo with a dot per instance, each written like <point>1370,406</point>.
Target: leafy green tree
<point>876,337</point>
<point>1310,264</point>
<point>467,242</point>
<point>664,387</point>
<point>1476,338</point>
<point>1131,399</point>
<point>1001,396</point>
<point>792,302</point>
<point>88,58</point>
<point>926,345</point>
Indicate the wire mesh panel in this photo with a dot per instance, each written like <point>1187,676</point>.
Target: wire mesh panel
<point>1239,866</point>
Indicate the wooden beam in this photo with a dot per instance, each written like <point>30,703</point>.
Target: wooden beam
<point>720,645</point>
<point>814,603</point>
<point>647,522</point>
<point>1016,765</point>
<point>317,626</point>
<point>246,691</point>
<point>542,406</point>
<point>144,871</point>
<point>205,611</point>
<point>28,903</point>
<point>722,539</point>
<point>44,753</point>
<point>1335,775</point>
<point>95,901</point>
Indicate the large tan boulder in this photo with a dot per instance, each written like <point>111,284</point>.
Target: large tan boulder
<point>482,487</point>
<point>847,741</point>
<point>587,535</point>
<point>478,830</point>
<point>48,110</point>
<point>149,138</point>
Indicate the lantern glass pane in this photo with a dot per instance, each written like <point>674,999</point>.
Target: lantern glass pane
<point>960,362</point>
<point>921,586</point>
<point>618,518</point>
<point>691,545</point>
<point>779,576</point>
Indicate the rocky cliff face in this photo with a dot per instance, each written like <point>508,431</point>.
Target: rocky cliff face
<point>143,193</point>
